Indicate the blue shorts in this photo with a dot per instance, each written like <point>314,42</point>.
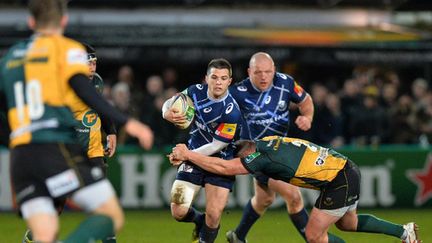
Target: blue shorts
<point>195,175</point>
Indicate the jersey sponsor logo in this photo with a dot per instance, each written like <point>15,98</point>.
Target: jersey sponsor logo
<point>251,157</point>
<point>242,88</point>
<point>229,108</point>
<point>62,183</point>
<point>282,105</point>
<point>207,110</point>
<point>298,89</point>
<point>199,86</point>
<point>319,162</point>
<point>268,99</point>
<point>282,116</point>
<point>76,56</point>
<point>226,130</point>
<point>89,119</point>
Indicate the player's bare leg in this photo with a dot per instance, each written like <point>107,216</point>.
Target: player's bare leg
<point>294,202</point>
<point>291,194</point>
<point>217,198</point>
<point>44,227</point>
<point>263,197</point>
<point>183,194</point>
<point>318,225</point>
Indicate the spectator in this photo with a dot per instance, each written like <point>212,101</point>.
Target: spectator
<point>368,125</point>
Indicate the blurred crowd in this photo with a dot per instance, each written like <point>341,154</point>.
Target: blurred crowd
<point>368,108</point>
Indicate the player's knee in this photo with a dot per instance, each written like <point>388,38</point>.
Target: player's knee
<point>213,218</point>
<point>344,226</point>
<point>263,201</point>
<point>178,212</point>
<point>294,203</point>
<point>312,236</point>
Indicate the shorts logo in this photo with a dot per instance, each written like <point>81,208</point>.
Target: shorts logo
<point>62,183</point>
<point>185,168</point>
<point>328,201</point>
<point>352,198</point>
<point>89,118</point>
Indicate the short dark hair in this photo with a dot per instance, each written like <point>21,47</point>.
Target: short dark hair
<point>47,12</point>
<point>219,63</point>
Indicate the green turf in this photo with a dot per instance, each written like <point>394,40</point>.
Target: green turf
<point>159,227</point>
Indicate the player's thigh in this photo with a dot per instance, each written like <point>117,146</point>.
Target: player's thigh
<point>216,200</point>
<point>263,194</point>
<point>319,222</point>
<point>216,196</point>
<point>183,193</point>
<point>349,220</point>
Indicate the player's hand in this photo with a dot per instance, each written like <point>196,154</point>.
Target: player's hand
<point>179,152</point>
<point>140,131</point>
<point>172,115</point>
<point>303,122</point>
<point>111,145</point>
<point>173,160</point>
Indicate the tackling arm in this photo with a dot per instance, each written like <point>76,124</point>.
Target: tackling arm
<point>212,164</point>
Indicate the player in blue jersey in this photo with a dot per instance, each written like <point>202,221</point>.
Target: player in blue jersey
<point>264,98</point>
<point>217,123</point>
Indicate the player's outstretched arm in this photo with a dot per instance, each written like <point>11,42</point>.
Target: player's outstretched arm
<point>82,87</point>
<point>212,164</point>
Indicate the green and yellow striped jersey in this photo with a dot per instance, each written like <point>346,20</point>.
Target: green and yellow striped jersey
<point>34,77</point>
<point>295,161</point>
<point>89,127</point>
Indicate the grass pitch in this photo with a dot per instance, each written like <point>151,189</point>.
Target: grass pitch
<point>157,226</point>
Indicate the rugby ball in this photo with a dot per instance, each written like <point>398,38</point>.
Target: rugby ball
<point>185,106</point>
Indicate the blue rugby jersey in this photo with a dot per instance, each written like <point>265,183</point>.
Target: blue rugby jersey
<point>219,119</point>
<point>266,113</point>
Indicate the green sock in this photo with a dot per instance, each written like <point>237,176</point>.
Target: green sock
<point>95,227</point>
<point>372,224</point>
<point>334,239</point>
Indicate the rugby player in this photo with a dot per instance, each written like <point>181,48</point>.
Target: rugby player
<point>217,123</point>
<point>304,164</point>
<point>41,77</point>
<point>89,133</point>
<point>264,99</point>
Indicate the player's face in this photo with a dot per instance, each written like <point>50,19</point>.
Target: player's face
<point>92,68</point>
<point>218,81</point>
<point>261,73</point>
